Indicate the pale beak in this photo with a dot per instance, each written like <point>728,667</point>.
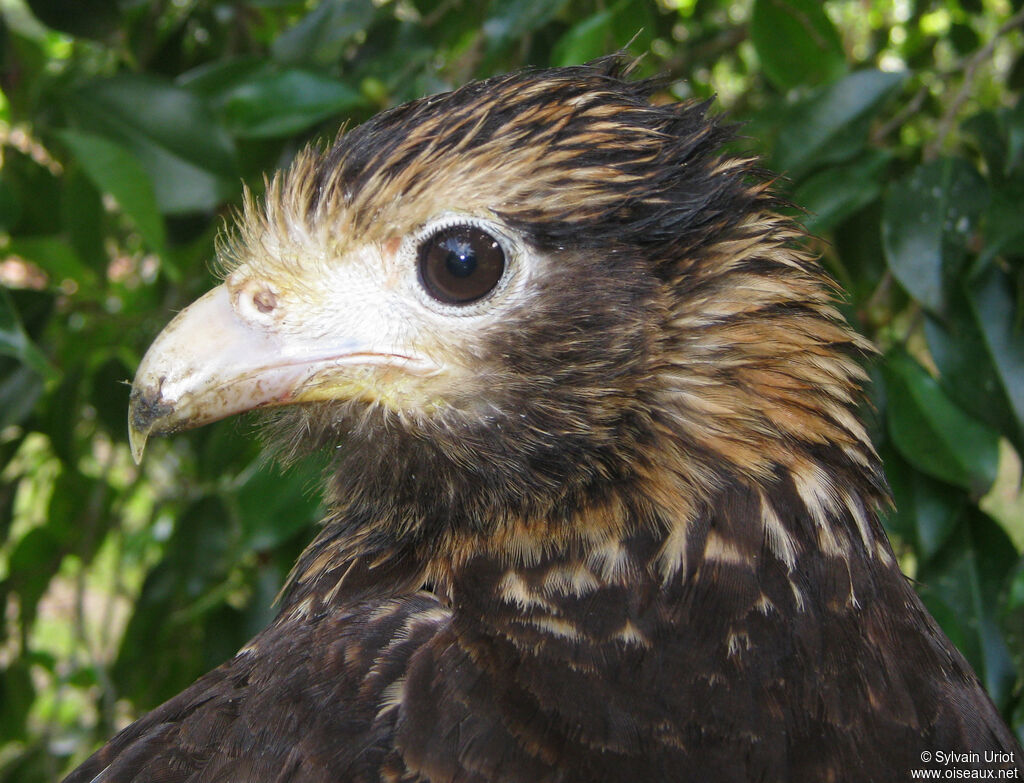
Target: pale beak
<point>209,363</point>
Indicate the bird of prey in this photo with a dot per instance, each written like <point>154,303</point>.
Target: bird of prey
<point>600,506</point>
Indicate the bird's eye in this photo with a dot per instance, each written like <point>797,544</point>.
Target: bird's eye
<point>460,264</point>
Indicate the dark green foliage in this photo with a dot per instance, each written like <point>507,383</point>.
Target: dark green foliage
<point>128,129</point>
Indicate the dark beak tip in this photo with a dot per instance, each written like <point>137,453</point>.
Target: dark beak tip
<point>146,407</point>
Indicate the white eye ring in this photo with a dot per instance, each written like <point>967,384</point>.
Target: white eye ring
<point>484,294</point>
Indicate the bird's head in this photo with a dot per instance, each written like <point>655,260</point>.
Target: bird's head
<point>497,299</point>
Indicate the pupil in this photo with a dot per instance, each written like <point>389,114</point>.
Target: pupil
<point>460,264</point>
<point>461,260</point>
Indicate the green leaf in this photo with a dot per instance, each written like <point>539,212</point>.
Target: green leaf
<point>20,390</point>
<point>796,42</point>
<point>280,104</point>
<point>996,314</point>
<point>964,38</point>
<point>929,217</point>
<point>833,194</point>
<point>1013,121</point>
<point>509,20</point>
<point>980,353</point>
<point>321,36</point>
<point>115,170</point>
<point>189,157</point>
<point>969,576</point>
<point>835,113</point>
<point>32,763</point>
<point>224,448</point>
<point>858,244</point>
<point>155,111</point>
<point>926,509</point>
<point>954,624</point>
<point>10,206</point>
<point>161,650</point>
<point>274,506</point>
<point>595,36</point>
<point>34,190</point>
<point>211,81</point>
<point>933,433</point>
<point>60,413</point>
<point>75,505</point>
<point>258,99</point>
<point>109,392</point>
<point>84,220</point>
<point>201,545</point>
<point>987,132</point>
<point>80,18</point>
<point>17,695</point>
<point>15,342</point>
<point>1001,224</point>
<point>158,655</point>
<point>1013,614</point>
<point>34,560</point>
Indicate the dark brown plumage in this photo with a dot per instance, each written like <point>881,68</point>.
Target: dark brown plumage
<point>613,518</point>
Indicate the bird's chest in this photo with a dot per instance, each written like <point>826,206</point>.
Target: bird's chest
<point>596,669</point>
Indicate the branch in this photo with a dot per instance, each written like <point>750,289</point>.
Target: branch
<point>970,69</point>
<point>908,111</point>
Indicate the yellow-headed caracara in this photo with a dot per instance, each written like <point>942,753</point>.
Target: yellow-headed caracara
<point>600,505</point>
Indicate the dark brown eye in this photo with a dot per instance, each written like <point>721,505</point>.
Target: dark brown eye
<point>460,264</point>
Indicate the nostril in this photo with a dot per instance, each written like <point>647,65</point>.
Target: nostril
<point>265,300</point>
<point>255,300</point>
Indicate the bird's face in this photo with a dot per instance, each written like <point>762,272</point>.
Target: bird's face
<point>394,321</point>
<point>445,354</point>
<point>452,334</point>
<point>504,295</point>
<point>456,276</point>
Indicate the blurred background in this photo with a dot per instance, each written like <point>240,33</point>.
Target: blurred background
<point>127,130</point>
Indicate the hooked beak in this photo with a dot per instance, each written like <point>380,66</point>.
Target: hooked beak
<point>209,363</point>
